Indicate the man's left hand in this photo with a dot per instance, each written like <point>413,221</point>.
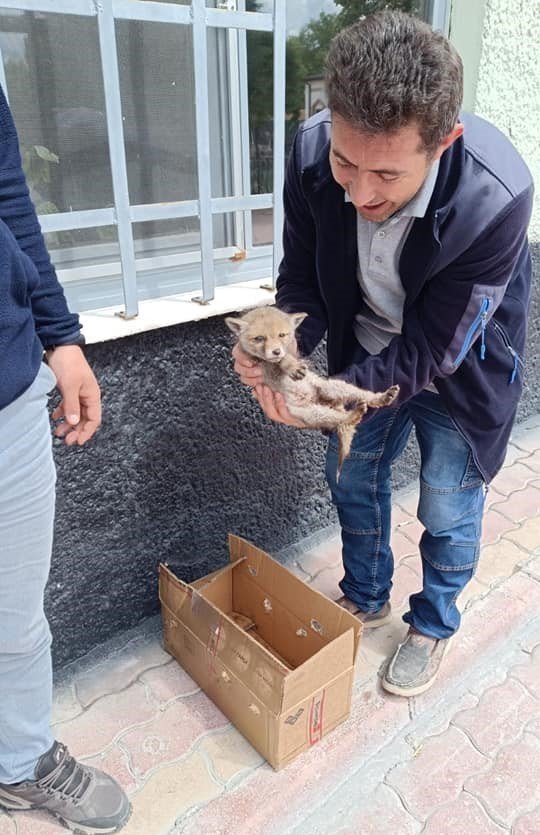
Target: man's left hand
<point>80,407</point>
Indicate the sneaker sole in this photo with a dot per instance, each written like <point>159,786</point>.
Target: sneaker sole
<point>12,804</point>
<point>398,690</point>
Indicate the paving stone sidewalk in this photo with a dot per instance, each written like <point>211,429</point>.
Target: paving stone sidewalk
<point>462,759</point>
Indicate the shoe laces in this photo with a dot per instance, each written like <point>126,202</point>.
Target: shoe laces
<point>69,778</point>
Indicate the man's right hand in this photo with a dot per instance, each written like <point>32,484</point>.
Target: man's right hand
<point>248,369</point>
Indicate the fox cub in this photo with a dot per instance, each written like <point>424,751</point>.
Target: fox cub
<point>267,334</point>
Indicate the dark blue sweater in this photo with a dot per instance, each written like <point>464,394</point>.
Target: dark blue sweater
<point>33,310</point>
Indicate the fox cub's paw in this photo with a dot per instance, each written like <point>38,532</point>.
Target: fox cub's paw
<point>384,398</point>
<point>389,395</point>
<point>299,371</point>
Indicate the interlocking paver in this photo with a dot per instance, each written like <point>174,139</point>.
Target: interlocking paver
<point>115,762</point>
<point>413,531</point>
<point>533,461</point>
<point>532,567</point>
<point>513,478</point>
<point>528,439</point>
<point>119,670</point>
<point>529,674</point>
<point>406,581</point>
<point>448,759</point>
<point>527,824</point>
<point>171,792</point>
<point>171,734</point>
<point>511,787</point>
<point>521,505</point>
<point>66,705</point>
<point>168,682</point>
<point>498,561</point>
<point>229,755</point>
<point>327,581</point>
<point>527,536</point>
<point>34,823</point>
<point>407,500</point>
<point>7,824</point>
<point>322,556</point>
<point>473,591</point>
<point>494,526</point>
<point>401,545</point>
<point>99,725</point>
<point>382,814</point>
<point>499,717</point>
<point>465,816</point>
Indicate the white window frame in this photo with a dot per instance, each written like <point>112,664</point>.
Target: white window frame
<point>231,16</point>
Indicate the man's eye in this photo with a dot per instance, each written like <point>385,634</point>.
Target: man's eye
<point>343,164</point>
<point>388,178</point>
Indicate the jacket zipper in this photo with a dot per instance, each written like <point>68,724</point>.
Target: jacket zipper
<point>513,353</point>
<point>481,319</point>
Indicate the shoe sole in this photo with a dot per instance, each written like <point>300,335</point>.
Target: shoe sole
<point>11,804</point>
<point>374,622</point>
<point>402,690</point>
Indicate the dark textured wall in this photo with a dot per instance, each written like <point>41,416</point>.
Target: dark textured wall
<point>183,457</point>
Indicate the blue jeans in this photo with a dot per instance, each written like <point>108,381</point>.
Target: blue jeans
<point>27,493</point>
<point>450,508</point>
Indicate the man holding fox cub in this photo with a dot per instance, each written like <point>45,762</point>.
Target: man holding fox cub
<point>405,243</point>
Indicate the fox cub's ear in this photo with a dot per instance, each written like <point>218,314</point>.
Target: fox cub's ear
<point>297,319</point>
<point>236,325</point>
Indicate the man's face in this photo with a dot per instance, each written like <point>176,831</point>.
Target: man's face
<point>381,173</point>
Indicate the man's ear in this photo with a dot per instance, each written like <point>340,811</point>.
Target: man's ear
<point>448,140</point>
<point>297,318</point>
<point>236,325</point>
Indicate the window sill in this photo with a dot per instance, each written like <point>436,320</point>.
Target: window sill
<point>105,324</point>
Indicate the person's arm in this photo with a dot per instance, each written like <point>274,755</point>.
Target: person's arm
<point>55,325</point>
<point>58,329</point>
<point>297,285</point>
<point>456,303</point>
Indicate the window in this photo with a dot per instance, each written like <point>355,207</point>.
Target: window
<point>154,134</point>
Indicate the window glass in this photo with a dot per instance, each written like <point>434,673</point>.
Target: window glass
<point>58,103</point>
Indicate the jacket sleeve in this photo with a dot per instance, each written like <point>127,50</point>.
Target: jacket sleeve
<point>53,321</point>
<point>297,286</point>
<point>451,313</point>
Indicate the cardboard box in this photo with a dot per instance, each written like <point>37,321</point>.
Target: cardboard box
<point>275,655</point>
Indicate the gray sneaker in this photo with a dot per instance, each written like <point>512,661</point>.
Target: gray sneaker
<point>414,665</point>
<point>370,620</point>
<point>85,799</point>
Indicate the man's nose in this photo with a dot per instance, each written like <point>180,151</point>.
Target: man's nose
<point>362,190</point>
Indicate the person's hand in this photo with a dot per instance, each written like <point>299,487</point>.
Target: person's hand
<point>80,408</point>
<point>248,369</point>
<point>273,405</point>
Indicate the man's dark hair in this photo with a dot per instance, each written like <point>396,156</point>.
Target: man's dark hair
<point>390,70</point>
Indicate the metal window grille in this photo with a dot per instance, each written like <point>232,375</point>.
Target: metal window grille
<point>231,16</point>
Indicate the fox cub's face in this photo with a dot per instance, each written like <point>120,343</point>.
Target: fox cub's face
<point>266,332</point>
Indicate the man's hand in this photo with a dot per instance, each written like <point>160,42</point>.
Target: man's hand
<point>248,369</point>
<point>273,405</point>
<point>80,407</point>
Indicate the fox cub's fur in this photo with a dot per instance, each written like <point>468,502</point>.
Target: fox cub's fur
<point>267,334</point>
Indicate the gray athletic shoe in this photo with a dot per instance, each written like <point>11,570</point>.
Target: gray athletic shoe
<point>414,665</point>
<point>370,620</point>
<point>85,799</point>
